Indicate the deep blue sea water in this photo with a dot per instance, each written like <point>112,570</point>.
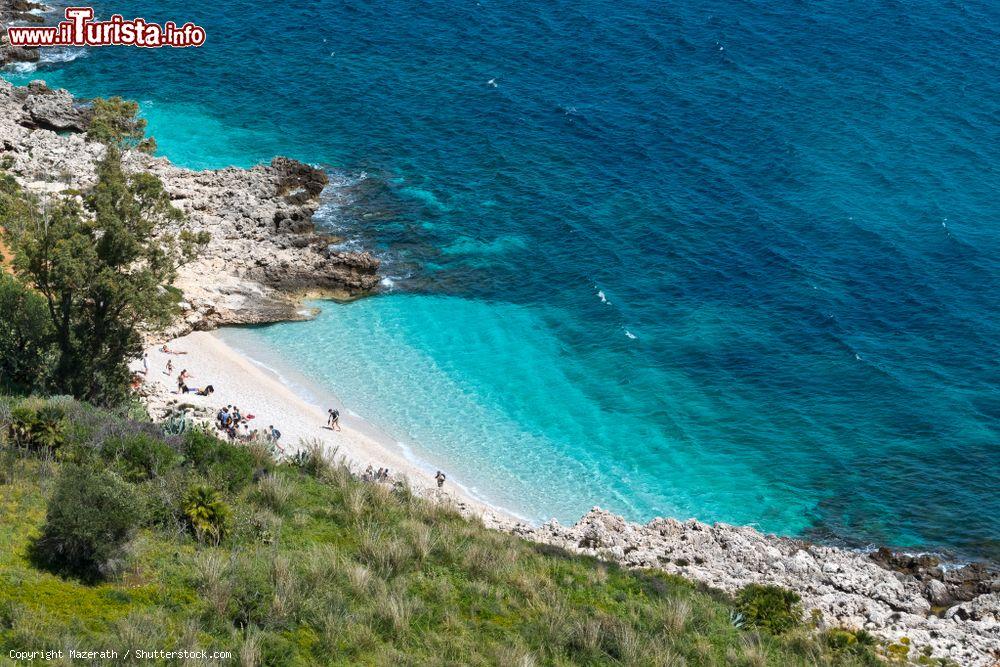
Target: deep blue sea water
<point>732,260</point>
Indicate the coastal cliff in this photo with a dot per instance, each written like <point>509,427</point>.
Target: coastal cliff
<point>264,252</point>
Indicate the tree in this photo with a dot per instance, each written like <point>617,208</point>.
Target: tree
<point>25,329</point>
<point>115,123</point>
<point>102,270</point>
<point>25,337</point>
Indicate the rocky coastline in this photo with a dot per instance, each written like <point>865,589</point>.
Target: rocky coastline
<point>21,12</point>
<point>265,254</point>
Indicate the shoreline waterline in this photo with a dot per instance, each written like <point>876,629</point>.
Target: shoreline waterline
<point>238,370</point>
<point>315,394</point>
<point>292,406</point>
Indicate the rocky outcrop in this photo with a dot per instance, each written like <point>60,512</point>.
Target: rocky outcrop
<point>265,253</point>
<point>46,109</point>
<point>849,589</point>
<point>944,586</point>
<point>12,11</point>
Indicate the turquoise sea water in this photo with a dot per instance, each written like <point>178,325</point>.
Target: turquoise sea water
<point>730,260</point>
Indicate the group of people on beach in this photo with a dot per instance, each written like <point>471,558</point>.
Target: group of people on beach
<point>183,377</point>
<point>372,475</point>
<point>236,426</point>
<point>382,475</point>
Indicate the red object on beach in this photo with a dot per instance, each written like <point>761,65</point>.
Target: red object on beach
<point>250,417</point>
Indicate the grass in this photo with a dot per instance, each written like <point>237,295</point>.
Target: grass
<point>321,568</point>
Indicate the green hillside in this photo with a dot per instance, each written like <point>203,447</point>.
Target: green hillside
<point>115,536</point>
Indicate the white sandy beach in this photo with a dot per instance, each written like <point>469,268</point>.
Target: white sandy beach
<point>255,390</point>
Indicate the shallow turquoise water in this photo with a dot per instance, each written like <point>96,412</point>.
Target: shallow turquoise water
<point>540,438</point>
<point>736,261</point>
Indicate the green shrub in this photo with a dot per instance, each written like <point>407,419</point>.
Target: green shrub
<point>769,608</point>
<point>90,518</point>
<point>252,593</point>
<point>139,455</point>
<point>313,459</point>
<point>273,492</point>
<point>198,446</point>
<point>840,639</point>
<point>207,514</point>
<point>224,464</point>
<point>25,335</point>
<point>37,425</point>
<point>164,500</point>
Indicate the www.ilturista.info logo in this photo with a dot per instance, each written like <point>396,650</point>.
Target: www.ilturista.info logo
<point>79,29</point>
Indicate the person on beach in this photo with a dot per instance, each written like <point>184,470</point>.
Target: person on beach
<point>369,474</point>
<point>170,368</point>
<point>167,350</point>
<point>333,420</point>
<point>181,387</point>
<point>145,363</point>
<point>184,374</point>
<point>207,391</point>
<point>271,437</point>
<point>440,477</point>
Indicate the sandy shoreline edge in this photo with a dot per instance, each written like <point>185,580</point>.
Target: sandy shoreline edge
<point>240,380</point>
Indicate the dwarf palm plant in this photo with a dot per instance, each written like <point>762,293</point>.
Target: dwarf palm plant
<point>207,514</point>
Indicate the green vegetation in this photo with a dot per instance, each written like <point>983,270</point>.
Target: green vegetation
<point>90,277</point>
<point>115,122</point>
<point>91,516</point>
<point>25,328</point>
<point>36,424</point>
<point>207,514</point>
<point>123,536</point>
<point>769,608</point>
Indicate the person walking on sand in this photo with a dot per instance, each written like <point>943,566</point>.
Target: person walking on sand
<point>440,477</point>
<point>333,421</point>
<point>170,368</point>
